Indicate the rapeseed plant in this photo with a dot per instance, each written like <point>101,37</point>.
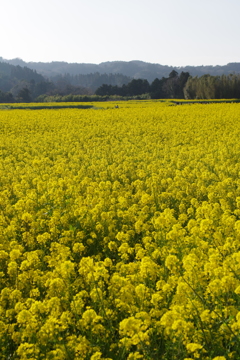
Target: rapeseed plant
<point>119,233</point>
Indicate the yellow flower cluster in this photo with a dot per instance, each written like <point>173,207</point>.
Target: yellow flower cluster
<point>120,232</point>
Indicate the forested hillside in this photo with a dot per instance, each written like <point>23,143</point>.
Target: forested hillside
<point>126,79</point>
<point>19,83</point>
<point>133,69</point>
<point>90,81</point>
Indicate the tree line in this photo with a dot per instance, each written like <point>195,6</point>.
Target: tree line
<point>165,88</point>
<point>213,87</point>
<point>181,86</point>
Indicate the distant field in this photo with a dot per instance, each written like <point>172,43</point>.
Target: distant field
<point>108,104</point>
<point>120,231</point>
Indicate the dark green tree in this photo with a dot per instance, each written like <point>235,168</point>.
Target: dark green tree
<point>24,95</point>
<point>173,74</point>
<point>156,89</point>
<point>183,77</point>
<point>138,87</point>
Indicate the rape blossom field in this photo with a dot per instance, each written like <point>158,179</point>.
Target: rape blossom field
<point>120,232</point>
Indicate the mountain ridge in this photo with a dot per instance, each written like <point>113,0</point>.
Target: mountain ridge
<point>134,68</point>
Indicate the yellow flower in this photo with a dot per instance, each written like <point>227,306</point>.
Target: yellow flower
<point>96,356</point>
<point>192,347</point>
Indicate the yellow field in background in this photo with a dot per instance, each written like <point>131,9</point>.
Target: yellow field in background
<point>120,232</point>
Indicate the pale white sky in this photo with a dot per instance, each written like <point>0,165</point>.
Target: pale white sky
<point>167,32</point>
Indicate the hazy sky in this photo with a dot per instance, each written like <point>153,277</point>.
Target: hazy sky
<point>168,32</point>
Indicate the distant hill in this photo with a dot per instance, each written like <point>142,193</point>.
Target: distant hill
<point>29,80</point>
<point>16,80</point>
<point>63,77</point>
<point>132,69</point>
<point>11,76</point>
